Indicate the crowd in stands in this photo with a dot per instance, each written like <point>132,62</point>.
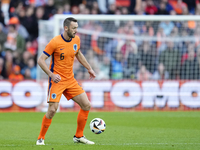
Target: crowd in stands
<point>115,59</point>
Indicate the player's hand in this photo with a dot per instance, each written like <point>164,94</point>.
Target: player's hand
<point>92,74</point>
<point>55,77</point>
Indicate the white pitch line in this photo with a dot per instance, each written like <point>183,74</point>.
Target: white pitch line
<point>12,145</point>
<point>153,144</point>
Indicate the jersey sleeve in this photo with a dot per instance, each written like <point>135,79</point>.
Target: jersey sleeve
<point>50,48</point>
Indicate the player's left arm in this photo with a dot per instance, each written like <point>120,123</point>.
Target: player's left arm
<point>81,58</point>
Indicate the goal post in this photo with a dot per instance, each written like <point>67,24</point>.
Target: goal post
<point>140,61</point>
<point>142,41</point>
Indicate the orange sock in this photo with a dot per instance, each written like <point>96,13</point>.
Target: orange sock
<point>81,121</point>
<point>45,125</point>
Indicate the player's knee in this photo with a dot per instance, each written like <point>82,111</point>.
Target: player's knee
<point>51,112</point>
<point>87,106</point>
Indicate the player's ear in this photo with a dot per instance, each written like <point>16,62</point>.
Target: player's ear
<point>65,28</point>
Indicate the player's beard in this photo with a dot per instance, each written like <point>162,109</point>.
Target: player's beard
<point>70,34</point>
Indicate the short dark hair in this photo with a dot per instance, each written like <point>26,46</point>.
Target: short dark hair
<point>67,21</point>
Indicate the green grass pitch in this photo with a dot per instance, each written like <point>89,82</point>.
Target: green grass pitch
<point>124,131</point>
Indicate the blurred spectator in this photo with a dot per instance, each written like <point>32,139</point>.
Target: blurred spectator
<point>25,57</point>
<point>175,32</point>
<point>116,66</point>
<point>191,5</point>
<point>162,9</point>
<point>67,8</point>
<point>161,46</point>
<point>143,74</point>
<point>112,9</point>
<point>130,28</point>
<point>104,69</point>
<point>178,6</point>
<point>3,37</point>
<point>95,6</point>
<point>14,41</point>
<point>185,11</point>
<point>50,9</point>
<point>81,8</point>
<point>39,14</point>
<point>168,7</point>
<point>197,34</point>
<point>124,11</point>
<point>104,5</point>
<point>27,74</point>
<point>78,70</point>
<point>172,13</point>
<point>2,69</point>
<point>31,66</point>
<point>135,6</point>
<point>59,10</point>
<point>161,73</point>
<point>129,47</point>
<point>31,23</point>
<point>2,16</point>
<point>197,9</point>
<point>20,28</point>
<point>98,48</point>
<point>132,58</point>
<point>75,10</point>
<point>118,11</point>
<point>87,11</point>
<point>113,45</point>
<point>167,27</point>
<point>151,9</point>
<point>141,8</point>
<point>15,7</point>
<point>22,16</point>
<point>198,57</point>
<point>32,47</point>
<point>171,58</point>
<point>16,75</point>
<point>93,61</point>
<point>190,47</point>
<point>11,42</point>
<point>190,68</point>
<point>94,11</point>
<point>147,56</point>
<point>8,62</point>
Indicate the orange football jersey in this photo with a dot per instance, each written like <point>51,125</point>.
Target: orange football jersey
<point>63,53</point>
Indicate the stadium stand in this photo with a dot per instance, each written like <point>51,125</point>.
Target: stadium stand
<point>121,60</point>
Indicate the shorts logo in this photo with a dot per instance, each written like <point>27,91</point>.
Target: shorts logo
<point>53,95</point>
<point>75,47</point>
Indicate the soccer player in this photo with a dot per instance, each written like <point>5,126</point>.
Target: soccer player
<point>64,48</point>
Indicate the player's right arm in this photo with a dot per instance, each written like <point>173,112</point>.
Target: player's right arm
<point>49,49</point>
<point>41,62</point>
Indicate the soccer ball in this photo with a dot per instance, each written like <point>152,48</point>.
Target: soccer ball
<point>97,125</point>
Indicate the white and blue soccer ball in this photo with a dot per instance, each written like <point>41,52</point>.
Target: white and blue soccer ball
<point>97,125</point>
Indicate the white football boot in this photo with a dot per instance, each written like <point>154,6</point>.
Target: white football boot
<point>40,142</point>
<point>82,140</point>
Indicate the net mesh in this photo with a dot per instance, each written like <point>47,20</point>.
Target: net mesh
<point>139,50</point>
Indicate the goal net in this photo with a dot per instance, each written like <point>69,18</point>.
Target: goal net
<point>140,61</point>
<point>132,47</point>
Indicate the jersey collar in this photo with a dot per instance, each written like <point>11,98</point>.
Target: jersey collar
<point>65,39</point>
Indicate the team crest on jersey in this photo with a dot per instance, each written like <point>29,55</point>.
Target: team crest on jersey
<point>75,47</point>
<point>53,95</point>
